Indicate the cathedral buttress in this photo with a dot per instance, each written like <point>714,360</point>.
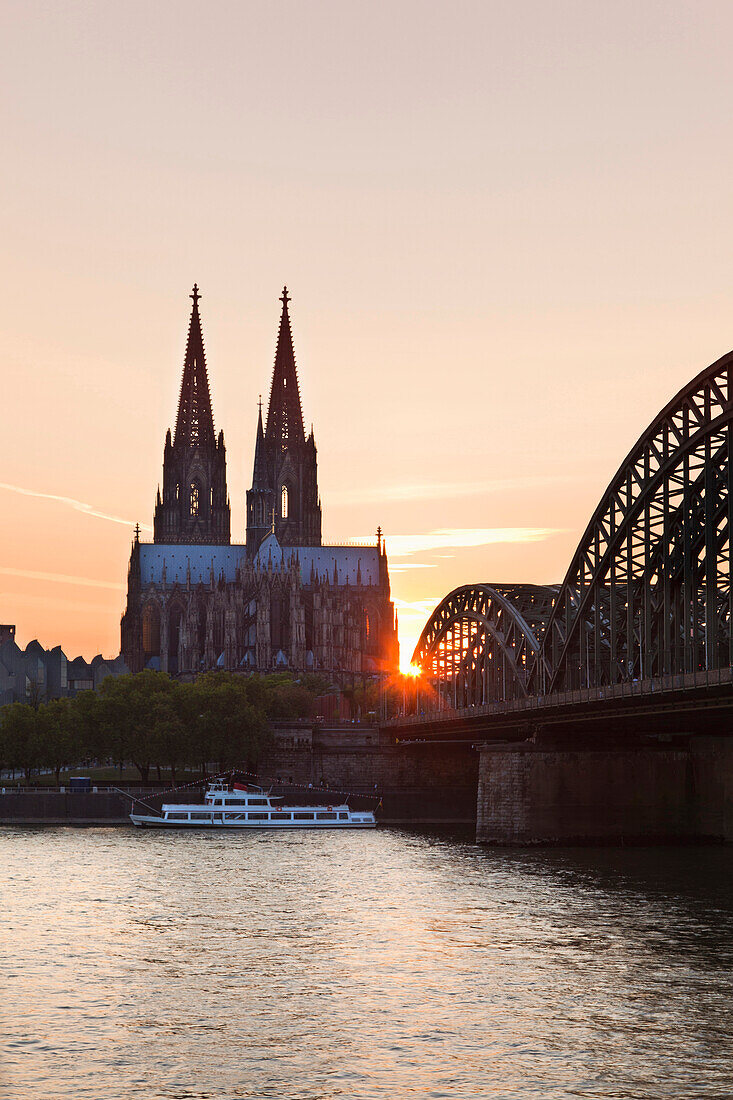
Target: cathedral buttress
<point>194,506</point>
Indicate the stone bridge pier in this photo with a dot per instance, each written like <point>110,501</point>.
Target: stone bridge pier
<point>650,794</point>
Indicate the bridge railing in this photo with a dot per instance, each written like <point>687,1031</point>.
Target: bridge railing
<point>688,681</point>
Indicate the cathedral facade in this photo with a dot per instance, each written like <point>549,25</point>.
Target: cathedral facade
<point>281,599</point>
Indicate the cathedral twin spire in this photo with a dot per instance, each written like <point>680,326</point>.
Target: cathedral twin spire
<point>195,421</point>
<point>194,507</point>
<point>284,493</point>
<point>284,415</point>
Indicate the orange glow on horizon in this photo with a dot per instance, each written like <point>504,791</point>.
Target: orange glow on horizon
<point>482,328</point>
<point>411,671</point>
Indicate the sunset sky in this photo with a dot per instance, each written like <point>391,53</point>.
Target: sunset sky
<point>506,230</point>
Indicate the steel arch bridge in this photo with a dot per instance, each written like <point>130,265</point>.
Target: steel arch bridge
<point>648,592</point>
<point>483,640</point>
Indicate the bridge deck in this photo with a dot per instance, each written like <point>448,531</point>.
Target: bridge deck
<point>639,701</point>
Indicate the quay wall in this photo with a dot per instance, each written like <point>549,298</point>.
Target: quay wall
<point>532,795</point>
<point>53,807</point>
<point>59,808</point>
<point>516,794</point>
<point>433,786</point>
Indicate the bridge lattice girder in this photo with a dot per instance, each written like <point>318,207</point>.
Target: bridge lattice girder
<point>482,640</point>
<point>648,591</point>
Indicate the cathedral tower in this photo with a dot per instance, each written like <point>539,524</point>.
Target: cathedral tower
<point>194,507</point>
<point>285,475</point>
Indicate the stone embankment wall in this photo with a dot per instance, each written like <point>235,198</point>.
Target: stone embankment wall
<point>432,784</point>
<point>57,808</point>
<point>34,807</point>
<point>529,795</point>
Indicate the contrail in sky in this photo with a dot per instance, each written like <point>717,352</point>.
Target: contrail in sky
<point>441,490</point>
<point>401,546</point>
<point>77,505</point>
<point>63,578</point>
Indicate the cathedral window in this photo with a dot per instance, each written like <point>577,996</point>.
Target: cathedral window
<point>151,632</point>
<point>284,502</point>
<point>194,432</point>
<point>194,499</point>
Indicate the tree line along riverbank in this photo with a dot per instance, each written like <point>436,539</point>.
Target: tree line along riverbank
<point>150,722</point>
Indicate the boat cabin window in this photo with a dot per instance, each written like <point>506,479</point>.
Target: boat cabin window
<point>343,817</point>
<point>178,817</point>
<point>325,817</point>
<point>280,817</point>
<point>236,802</point>
<point>258,801</point>
<point>258,817</point>
<point>303,817</point>
<point>200,817</point>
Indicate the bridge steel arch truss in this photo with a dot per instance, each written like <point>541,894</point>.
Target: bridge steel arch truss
<point>481,642</point>
<point>648,592</point>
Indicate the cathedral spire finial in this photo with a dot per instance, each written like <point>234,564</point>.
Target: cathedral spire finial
<point>194,504</point>
<point>195,421</point>
<point>284,414</point>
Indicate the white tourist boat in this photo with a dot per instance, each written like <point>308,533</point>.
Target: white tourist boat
<point>245,806</point>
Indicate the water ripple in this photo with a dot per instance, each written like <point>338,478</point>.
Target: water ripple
<point>380,965</point>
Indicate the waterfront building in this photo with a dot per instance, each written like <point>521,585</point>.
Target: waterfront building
<point>279,600</point>
<point>35,674</point>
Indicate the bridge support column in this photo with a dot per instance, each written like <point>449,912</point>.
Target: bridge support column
<point>652,795</point>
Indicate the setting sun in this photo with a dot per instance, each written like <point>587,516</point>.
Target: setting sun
<point>412,671</point>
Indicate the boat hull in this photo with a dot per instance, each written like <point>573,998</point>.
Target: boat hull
<point>260,826</point>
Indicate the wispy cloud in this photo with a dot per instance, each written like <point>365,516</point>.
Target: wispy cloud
<point>70,502</point>
<point>60,578</point>
<point>417,607</point>
<point>402,567</point>
<point>74,603</point>
<point>402,546</point>
<point>441,490</point>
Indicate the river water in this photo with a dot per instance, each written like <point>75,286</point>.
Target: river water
<point>384,964</point>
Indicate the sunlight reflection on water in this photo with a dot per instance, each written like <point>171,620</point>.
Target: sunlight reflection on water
<point>385,964</point>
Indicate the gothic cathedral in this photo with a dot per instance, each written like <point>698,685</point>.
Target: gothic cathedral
<point>281,600</point>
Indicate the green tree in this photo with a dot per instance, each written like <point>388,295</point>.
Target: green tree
<point>226,726</point>
<point>286,698</point>
<point>131,709</point>
<point>21,736</point>
<point>59,743</point>
<point>196,739</point>
<point>170,746</point>
<point>94,742</point>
